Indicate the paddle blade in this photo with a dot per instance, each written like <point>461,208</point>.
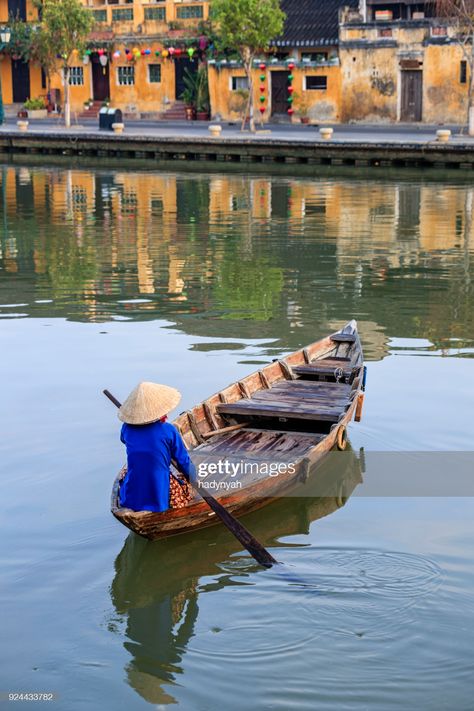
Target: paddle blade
<point>256,550</point>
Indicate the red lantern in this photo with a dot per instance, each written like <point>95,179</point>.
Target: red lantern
<point>290,90</point>
<point>291,111</point>
<point>263,66</point>
<point>262,89</point>
<point>142,52</point>
<point>261,109</point>
<point>291,65</point>
<point>177,52</point>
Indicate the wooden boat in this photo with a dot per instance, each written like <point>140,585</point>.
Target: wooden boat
<point>291,413</point>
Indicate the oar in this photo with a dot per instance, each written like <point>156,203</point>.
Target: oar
<point>255,548</point>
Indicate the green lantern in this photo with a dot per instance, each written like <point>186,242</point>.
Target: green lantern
<point>262,99</point>
<point>262,77</point>
<point>290,99</point>
<point>290,77</point>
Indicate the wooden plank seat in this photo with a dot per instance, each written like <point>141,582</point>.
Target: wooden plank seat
<point>343,337</point>
<point>320,367</point>
<point>320,401</point>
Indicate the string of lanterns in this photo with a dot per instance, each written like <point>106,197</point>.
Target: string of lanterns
<point>263,88</point>
<point>136,53</point>
<point>291,110</point>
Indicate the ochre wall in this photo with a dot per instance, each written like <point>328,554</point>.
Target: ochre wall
<point>323,104</point>
<point>143,96</point>
<point>371,74</point>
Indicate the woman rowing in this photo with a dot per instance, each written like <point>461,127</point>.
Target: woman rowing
<point>152,444</point>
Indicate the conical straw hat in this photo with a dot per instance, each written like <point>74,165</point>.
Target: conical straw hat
<point>147,403</point>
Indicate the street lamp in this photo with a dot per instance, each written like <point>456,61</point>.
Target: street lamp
<point>5,35</point>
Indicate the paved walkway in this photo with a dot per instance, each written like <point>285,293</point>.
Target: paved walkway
<point>376,134</point>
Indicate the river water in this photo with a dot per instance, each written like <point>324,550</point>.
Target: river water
<point>109,277</point>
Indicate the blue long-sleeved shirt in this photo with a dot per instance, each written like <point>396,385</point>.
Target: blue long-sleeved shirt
<point>150,448</point>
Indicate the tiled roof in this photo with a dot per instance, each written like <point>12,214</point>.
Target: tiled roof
<point>311,23</point>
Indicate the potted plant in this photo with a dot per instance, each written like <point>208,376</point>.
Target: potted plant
<point>203,103</point>
<point>36,108</point>
<point>88,103</point>
<point>189,94</point>
<point>302,106</point>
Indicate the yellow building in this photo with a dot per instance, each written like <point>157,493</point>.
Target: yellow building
<point>336,61</point>
<point>401,63</point>
<point>163,37</point>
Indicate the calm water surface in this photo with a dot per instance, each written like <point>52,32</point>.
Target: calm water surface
<point>108,277</point>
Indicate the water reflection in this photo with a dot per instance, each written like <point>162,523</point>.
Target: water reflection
<point>156,588</point>
<point>234,254</point>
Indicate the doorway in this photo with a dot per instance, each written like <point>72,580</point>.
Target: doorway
<point>279,92</point>
<point>411,95</point>
<point>180,66</point>
<point>100,79</point>
<point>20,81</point>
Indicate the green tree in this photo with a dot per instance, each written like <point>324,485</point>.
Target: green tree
<point>248,27</point>
<point>64,29</point>
<point>460,15</point>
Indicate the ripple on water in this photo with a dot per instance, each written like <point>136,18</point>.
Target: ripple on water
<point>343,591</point>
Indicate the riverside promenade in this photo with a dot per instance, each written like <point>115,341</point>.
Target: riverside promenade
<point>413,145</point>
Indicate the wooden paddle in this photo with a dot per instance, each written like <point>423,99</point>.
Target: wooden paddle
<point>255,548</point>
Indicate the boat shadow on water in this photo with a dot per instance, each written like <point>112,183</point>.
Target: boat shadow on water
<point>157,585</point>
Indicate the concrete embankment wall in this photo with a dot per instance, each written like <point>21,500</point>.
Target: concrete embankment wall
<point>243,150</point>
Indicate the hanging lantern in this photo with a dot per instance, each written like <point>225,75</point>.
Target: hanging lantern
<point>177,52</point>
<point>261,109</point>
<point>88,52</point>
<point>143,52</point>
<point>86,59</point>
<point>116,54</point>
<point>291,65</point>
<point>262,89</point>
<point>263,66</point>
<point>157,52</point>
<point>148,52</point>
<point>100,52</point>
<point>165,53</point>
<point>127,51</point>
<point>191,51</point>
<point>290,90</point>
<point>291,110</point>
<point>290,99</point>
<point>290,77</point>
<point>171,51</point>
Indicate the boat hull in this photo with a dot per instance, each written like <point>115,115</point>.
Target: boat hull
<point>304,449</point>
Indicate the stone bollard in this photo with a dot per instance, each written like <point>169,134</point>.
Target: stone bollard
<point>326,133</point>
<point>22,125</point>
<point>118,127</point>
<point>443,135</point>
<point>215,130</point>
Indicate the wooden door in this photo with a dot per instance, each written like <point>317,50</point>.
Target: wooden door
<point>280,94</point>
<point>412,92</point>
<point>100,79</point>
<point>20,81</point>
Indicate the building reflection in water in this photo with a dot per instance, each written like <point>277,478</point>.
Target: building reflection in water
<point>277,255</point>
<point>156,588</point>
